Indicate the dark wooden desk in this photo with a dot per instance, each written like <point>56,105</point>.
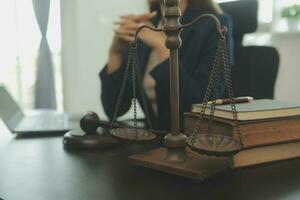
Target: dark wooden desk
<point>40,169</point>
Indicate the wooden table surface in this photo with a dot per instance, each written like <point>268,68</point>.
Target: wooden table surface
<point>38,168</point>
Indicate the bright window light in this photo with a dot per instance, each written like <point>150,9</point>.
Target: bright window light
<point>20,39</point>
<point>265,12</point>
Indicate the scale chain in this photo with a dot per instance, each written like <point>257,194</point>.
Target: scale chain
<point>221,60</point>
<point>207,95</point>
<point>134,93</point>
<point>230,91</point>
<point>132,64</point>
<point>216,76</point>
<point>140,84</point>
<point>122,89</point>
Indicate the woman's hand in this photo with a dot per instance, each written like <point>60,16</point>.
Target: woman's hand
<point>129,25</point>
<point>124,34</point>
<point>126,29</point>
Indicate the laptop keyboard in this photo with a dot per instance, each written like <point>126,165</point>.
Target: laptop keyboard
<point>43,122</point>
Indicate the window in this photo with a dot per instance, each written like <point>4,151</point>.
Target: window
<point>269,14</point>
<point>270,19</point>
<point>281,24</point>
<point>265,11</point>
<point>20,39</point>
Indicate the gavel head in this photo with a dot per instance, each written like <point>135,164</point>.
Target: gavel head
<point>89,123</point>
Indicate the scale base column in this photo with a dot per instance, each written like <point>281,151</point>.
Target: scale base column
<point>175,148</point>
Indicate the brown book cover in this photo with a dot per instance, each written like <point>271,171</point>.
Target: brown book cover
<point>254,133</point>
<point>266,154</point>
<point>263,155</point>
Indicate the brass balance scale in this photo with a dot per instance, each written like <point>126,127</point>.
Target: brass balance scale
<point>200,155</point>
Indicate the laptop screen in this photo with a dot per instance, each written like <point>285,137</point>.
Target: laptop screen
<point>10,112</point>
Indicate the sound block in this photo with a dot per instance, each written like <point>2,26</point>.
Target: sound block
<point>197,167</point>
<point>80,141</point>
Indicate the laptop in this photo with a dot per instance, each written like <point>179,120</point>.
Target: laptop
<point>35,122</point>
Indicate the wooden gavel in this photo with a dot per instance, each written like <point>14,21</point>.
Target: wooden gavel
<point>91,140</point>
<point>90,122</point>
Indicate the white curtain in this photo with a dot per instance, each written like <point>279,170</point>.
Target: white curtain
<point>45,85</point>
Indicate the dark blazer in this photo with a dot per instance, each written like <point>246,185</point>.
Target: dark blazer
<point>196,57</point>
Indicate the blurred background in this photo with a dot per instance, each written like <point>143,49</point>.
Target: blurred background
<point>79,33</point>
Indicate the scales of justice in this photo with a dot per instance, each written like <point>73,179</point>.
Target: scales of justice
<point>198,156</point>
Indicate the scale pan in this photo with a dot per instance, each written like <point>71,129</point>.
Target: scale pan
<point>132,135</point>
<point>215,145</point>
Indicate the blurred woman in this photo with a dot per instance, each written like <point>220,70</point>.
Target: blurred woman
<point>196,57</point>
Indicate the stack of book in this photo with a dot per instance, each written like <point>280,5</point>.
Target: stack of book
<point>270,129</point>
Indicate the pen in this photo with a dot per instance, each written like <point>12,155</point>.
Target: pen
<point>228,101</point>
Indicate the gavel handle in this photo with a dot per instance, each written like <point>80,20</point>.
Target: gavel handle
<point>106,124</point>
